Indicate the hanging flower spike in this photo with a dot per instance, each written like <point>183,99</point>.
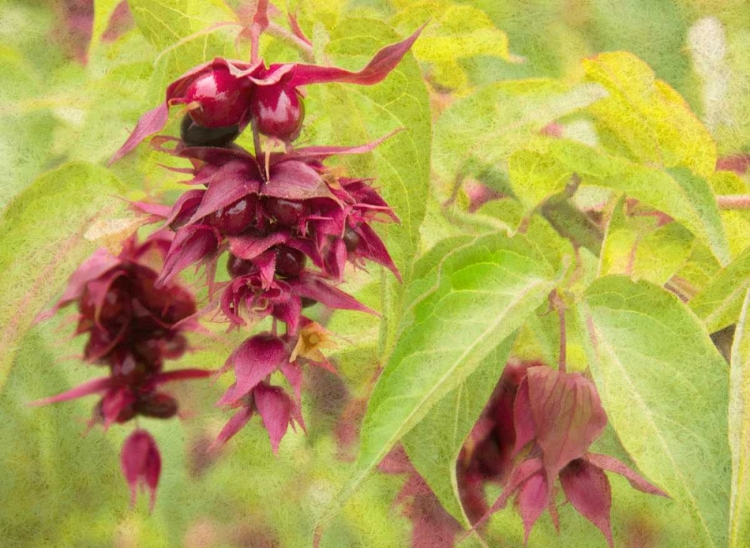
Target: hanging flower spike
<point>141,464</point>
<point>560,414</point>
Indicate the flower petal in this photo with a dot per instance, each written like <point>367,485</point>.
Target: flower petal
<point>568,414</point>
<point>588,490</point>
<point>255,359</point>
<point>372,247</point>
<point>141,464</point>
<point>234,425</point>
<point>533,499</point>
<point>151,122</point>
<point>295,180</point>
<point>376,70</point>
<point>248,246</point>
<point>611,464</point>
<point>275,408</point>
<point>191,244</point>
<point>523,419</point>
<point>89,387</point>
<point>227,185</point>
<point>314,287</point>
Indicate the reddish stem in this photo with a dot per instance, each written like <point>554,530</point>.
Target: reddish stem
<point>734,201</point>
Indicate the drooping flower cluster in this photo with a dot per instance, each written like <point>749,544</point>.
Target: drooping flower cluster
<point>287,223</point>
<point>132,328</point>
<point>556,416</point>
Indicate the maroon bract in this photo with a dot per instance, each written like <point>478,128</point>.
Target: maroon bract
<point>558,415</point>
<point>487,455</point>
<point>141,464</point>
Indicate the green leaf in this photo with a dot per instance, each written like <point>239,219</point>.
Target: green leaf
<point>434,444</point>
<point>42,243</point>
<point>664,387</point>
<point>720,302</point>
<point>166,22</point>
<point>739,432</point>
<point>536,176</point>
<point>487,126</point>
<point>677,192</point>
<point>482,294</point>
<point>647,117</point>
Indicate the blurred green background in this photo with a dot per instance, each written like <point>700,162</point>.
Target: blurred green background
<point>75,80</point>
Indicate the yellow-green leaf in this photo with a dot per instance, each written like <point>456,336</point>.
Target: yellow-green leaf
<point>649,118</point>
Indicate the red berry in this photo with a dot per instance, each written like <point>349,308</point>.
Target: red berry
<point>351,240</point>
<point>235,218</point>
<point>157,405</point>
<point>290,262</point>
<point>223,99</point>
<point>285,212</point>
<point>278,111</point>
<point>238,267</point>
<point>196,135</point>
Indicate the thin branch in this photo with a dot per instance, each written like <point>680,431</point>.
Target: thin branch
<point>734,201</point>
<point>281,33</point>
<point>558,304</point>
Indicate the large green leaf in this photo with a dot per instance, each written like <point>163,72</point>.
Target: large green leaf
<point>646,117</point>
<point>42,243</point>
<point>739,432</point>
<point>720,302</point>
<point>664,387</point>
<point>482,294</point>
<point>434,444</point>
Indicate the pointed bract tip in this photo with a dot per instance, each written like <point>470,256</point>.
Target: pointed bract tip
<point>141,464</point>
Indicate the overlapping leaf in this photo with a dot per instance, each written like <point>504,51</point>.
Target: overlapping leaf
<point>739,431</point>
<point>648,118</point>
<point>664,386</point>
<point>482,293</point>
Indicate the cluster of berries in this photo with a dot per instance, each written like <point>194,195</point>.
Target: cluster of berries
<point>287,223</point>
<point>132,328</point>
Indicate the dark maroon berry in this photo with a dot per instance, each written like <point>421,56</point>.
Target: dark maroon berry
<point>278,111</point>
<point>307,302</point>
<point>290,262</point>
<point>285,212</point>
<point>125,414</point>
<point>195,135</point>
<point>236,218</point>
<point>351,239</point>
<point>130,370</point>
<point>157,405</point>
<point>222,98</point>
<point>238,267</point>
<point>174,347</point>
